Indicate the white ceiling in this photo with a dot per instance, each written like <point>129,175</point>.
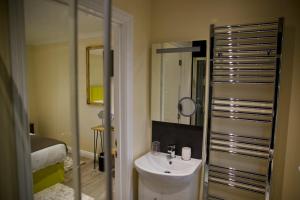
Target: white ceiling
<point>46,21</point>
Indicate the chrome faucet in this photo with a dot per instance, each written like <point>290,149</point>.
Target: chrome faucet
<point>171,151</point>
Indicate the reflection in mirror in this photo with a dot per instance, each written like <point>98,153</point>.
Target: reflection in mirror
<point>198,89</point>
<point>94,70</point>
<point>178,72</point>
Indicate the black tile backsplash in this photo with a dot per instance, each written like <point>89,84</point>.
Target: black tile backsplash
<point>179,134</point>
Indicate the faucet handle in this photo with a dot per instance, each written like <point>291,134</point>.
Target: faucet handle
<point>171,150</point>
<point>171,147</point>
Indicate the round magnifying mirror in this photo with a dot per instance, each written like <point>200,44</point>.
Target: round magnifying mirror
<point>186,106</point>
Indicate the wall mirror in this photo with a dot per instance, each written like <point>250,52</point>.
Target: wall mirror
<point>178,82</point>
<point>94,74</point>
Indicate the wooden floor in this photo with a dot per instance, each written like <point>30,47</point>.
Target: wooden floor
<point>92,181</point>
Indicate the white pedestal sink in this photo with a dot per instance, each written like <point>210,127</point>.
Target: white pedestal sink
<point>162,178</point>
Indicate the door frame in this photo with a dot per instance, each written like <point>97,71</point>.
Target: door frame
<point>123,105</point>
<point>123,88</point>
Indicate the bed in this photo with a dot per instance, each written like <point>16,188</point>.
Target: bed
<point>47,158</point>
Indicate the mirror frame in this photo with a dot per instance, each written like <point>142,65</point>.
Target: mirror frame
<point>180,106</point>
<point>88,48</point>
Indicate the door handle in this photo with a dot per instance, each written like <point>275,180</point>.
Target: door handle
<point>116,151</point>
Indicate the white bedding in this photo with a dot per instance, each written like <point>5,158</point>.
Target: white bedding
<point>48,156</point>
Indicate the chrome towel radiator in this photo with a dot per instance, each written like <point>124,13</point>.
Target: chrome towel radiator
<point>244,84</point>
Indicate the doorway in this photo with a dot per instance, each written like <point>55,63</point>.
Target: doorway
<point>123,90</point>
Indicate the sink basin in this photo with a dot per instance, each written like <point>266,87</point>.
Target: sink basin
<point>166,170</point>
<point>167,176</point>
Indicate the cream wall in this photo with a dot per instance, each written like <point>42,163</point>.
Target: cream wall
<point>176,20</point>
<point>49,92</point>
<point>291,179</point>
<point>141,11</point>
<point>48,86</point>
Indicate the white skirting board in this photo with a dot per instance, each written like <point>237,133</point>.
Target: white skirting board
<point>83,153</point>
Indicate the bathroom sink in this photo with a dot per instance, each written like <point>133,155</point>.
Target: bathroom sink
<point>171,173</point>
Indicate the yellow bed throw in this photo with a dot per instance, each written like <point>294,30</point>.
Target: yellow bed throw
<point>48,176</point>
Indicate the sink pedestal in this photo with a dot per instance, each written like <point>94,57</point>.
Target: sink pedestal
<point>149,190</point>
<point>152,190</point>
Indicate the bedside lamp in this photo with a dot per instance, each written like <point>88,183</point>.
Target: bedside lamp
<point>101,116</point>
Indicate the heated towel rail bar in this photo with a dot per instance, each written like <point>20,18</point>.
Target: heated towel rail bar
<point>244,84</point>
